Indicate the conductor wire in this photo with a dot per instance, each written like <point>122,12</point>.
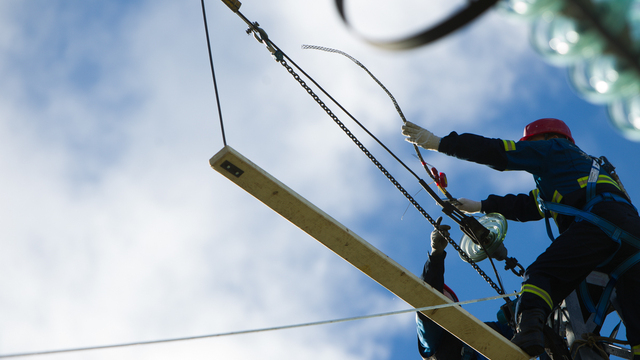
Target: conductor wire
<point>398,110</point>
<point>242,332</point>
<point>213,73</point>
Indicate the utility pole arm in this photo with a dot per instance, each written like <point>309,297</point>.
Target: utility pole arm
<point>362,255</point>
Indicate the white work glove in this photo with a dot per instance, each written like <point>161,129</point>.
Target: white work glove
<point>419,136</point>
<point>439,242</point>
<point>469,206</point>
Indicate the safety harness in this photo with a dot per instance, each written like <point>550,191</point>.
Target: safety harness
<point>613,231</point>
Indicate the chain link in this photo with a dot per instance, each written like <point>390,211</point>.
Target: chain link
<point>386,173</point>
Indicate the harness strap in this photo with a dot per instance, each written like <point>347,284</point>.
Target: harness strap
<point>592,181</point>
<point>587,301</point>
<point>603,303</point>
<point>615,233</point>
<point>547,215</point>
<point>606,197</point>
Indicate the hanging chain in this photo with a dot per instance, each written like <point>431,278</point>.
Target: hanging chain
<point>386,173</point>
<point>262,37</point>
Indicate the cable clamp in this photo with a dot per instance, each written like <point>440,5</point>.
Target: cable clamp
<point>263,38</point>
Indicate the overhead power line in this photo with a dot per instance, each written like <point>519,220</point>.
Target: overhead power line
<point>243,332</point>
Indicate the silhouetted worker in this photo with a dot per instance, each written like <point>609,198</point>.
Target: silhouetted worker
<point>435,343</point>
<point>599,227</point>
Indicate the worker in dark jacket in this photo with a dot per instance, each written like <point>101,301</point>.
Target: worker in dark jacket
<point>435,343</point>
<point>599,227</point>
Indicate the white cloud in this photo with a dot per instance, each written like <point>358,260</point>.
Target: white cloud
<point>135,237</point>
<point>115,229</point>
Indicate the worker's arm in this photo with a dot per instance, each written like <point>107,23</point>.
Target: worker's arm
<point>530,156</point>
<point>430,335</point>
<point>433,271</point>
<point>521,207</point>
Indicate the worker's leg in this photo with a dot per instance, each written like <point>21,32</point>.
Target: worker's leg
<point>628,291</point>
<point>628,285</point>
<point>564,264</point>
<point>554,274</point>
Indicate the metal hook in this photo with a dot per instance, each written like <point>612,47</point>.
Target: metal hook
<point>262,37</point>
<point>512,264</point>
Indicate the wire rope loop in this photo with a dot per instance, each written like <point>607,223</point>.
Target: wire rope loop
<point>386,173</point>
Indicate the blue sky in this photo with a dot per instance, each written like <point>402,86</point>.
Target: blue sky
<point>115,229</point>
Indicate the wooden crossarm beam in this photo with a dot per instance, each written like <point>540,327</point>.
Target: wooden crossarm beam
<point>362,255</point>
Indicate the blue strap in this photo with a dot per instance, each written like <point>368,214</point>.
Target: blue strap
<point>603,303</point>
<point>607,196</point>
<point>547,215</point>
<point>587,301</point>
<point>593,180</point>
<point>615,233</point>
<point>548,225</point>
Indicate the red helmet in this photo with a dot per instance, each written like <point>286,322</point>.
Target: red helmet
<point>547,125</point>
<point>447,291</point>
